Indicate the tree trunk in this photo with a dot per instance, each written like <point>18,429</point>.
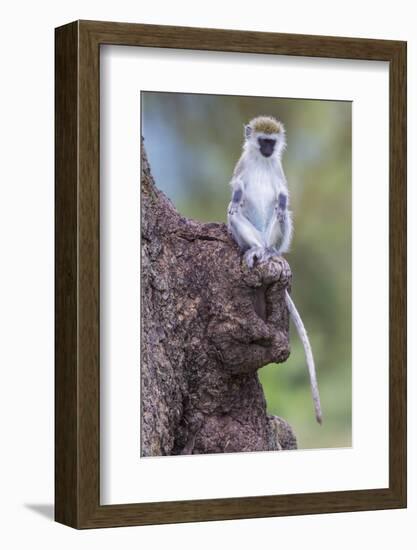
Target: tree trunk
<point>208,324</point>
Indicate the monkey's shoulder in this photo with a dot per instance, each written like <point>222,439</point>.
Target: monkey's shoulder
<point>239,168</point>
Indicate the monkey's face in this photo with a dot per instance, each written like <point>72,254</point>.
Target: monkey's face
<point>265,137</point>
<point>266,145</point>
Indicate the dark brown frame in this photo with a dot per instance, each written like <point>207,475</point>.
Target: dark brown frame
<point>77,274</point>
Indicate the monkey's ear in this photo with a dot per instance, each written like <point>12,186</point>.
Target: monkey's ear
<point>247,131</point>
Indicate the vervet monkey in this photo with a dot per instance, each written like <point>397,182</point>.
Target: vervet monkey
<point>258,216</point>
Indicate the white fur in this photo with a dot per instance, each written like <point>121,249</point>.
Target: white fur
<point>261,180</point>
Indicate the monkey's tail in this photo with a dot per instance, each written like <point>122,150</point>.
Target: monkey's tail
<point>302,333</point>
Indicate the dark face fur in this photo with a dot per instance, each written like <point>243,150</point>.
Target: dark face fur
<point>266,146</point>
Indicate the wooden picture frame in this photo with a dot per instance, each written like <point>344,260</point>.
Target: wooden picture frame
<point>77,374</point>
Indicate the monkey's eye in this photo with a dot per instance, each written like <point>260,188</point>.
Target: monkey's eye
<point>266,141</point>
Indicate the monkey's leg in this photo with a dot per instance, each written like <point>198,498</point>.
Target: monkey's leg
<point>286,229</point>
<point>273,233</point>
<point>279,230</point>
<point>247,237</point>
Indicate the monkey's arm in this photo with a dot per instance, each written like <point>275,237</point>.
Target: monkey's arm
<point>237,196</point>
<point>247,236</point>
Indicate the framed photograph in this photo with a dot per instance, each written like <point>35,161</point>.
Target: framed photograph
<point>230,274</point>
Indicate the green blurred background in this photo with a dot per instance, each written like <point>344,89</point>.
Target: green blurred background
<point>193,142</point>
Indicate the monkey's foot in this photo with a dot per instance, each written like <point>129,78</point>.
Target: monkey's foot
<point>271,252</point>
<point>255,253</point>
<point>275,270</point>
<point>286,275</point>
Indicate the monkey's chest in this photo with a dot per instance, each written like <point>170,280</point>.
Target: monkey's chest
<point>260,197</point>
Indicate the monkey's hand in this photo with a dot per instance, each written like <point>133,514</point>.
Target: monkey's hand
<point>233,208</point>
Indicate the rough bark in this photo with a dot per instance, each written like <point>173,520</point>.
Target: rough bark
<point>208,324</point>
